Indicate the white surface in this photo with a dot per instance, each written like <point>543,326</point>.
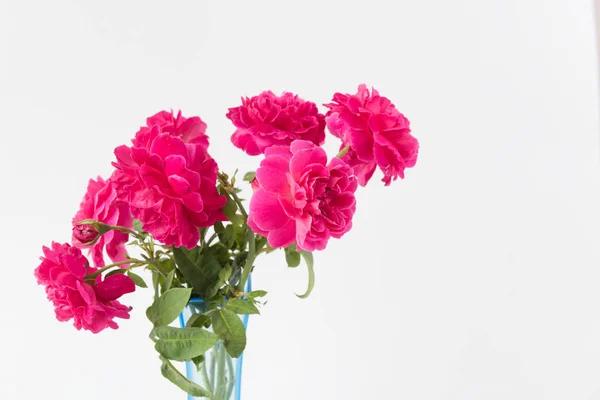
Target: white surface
<point>478,277</point>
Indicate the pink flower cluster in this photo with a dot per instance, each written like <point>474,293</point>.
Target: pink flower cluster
<point>298,197</point>
<point>167,180</point>
<point>92,304</point>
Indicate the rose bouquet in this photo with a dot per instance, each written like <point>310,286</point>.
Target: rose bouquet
<point>168,209</point>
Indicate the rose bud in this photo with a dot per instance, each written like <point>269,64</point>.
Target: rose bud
<point>85,234</point>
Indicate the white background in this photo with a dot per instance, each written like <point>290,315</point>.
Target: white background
<point>477,277</point>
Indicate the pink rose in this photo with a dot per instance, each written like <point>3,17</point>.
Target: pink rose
<point>169,181</point>
<point>190,130</point>
<point>299,198</point>
<point>92,304</point>
<point>377,133</point>
<point>100,204</point>
<point>267,120</point>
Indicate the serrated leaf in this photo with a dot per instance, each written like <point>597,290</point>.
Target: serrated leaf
<point>183,344</point>
<point>240,306</point>
<point>168,306</point>
<point>138,280</point>
<point>249,176</point>
<point>223,275</point>
<point>200,270</point>
<point>172,374</point>
<point>308,259</point>
<point>230,328</point>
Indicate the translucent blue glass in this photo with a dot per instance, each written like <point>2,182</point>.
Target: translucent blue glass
<point>219,374</point>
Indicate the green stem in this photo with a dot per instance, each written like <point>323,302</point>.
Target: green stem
<point>343,152</point>
<point>213,363</point>
<point>249,260</point>
<point>221,380</point>
<point>239,204</point>
<point>213,237</point>
<point>207,381</point>
<point>232,378</point>
<point>134,264</point>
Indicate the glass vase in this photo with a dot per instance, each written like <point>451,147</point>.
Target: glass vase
<point>220,374</point>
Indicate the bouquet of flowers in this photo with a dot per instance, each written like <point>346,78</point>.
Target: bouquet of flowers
<point>168,209</point>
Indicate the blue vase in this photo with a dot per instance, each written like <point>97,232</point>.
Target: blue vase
<point>219,374</point>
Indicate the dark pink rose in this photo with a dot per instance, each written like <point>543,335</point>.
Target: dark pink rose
<point>377,133</point>
<point>191,130</point>
<point>267,120</point>
<point>100,203</point>
<point>92,304</point>
<point>300,198</point>
<point>169,181</point>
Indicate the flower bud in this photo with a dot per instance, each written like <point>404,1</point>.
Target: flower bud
<point>86,234</point>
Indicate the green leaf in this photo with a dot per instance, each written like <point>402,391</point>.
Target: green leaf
<point>225,273</point>
<point>168,281</point>
<point>198,321</point>
<point>168,306</point>
<point>115,271</point>
<point>219,227</point>
<point>249,177</point>
<point>232,180</point>
<point>198,362</point>
<point>292,257</point>
<point>171,373</point>
<point>308,258</point>
<point>256,293</point>
<point>230,210</point>
<point>183,344</point>
<point>138,226</point>
<point>138,280</point>
<point>230,328</point>
<point>201,270</point>
<point>240,306</point>
<point>213,289</point>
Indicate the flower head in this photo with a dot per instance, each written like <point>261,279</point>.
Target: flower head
<point>101,204</point>
<point>268,120</point>
<point>91,303</point>
<point>190,130</point>
<point>377,134</point>
<point>169,181</point>
<point>300,198</point>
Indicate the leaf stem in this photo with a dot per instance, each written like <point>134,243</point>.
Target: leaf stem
<point>134,264</point>
<point>239,204</point>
